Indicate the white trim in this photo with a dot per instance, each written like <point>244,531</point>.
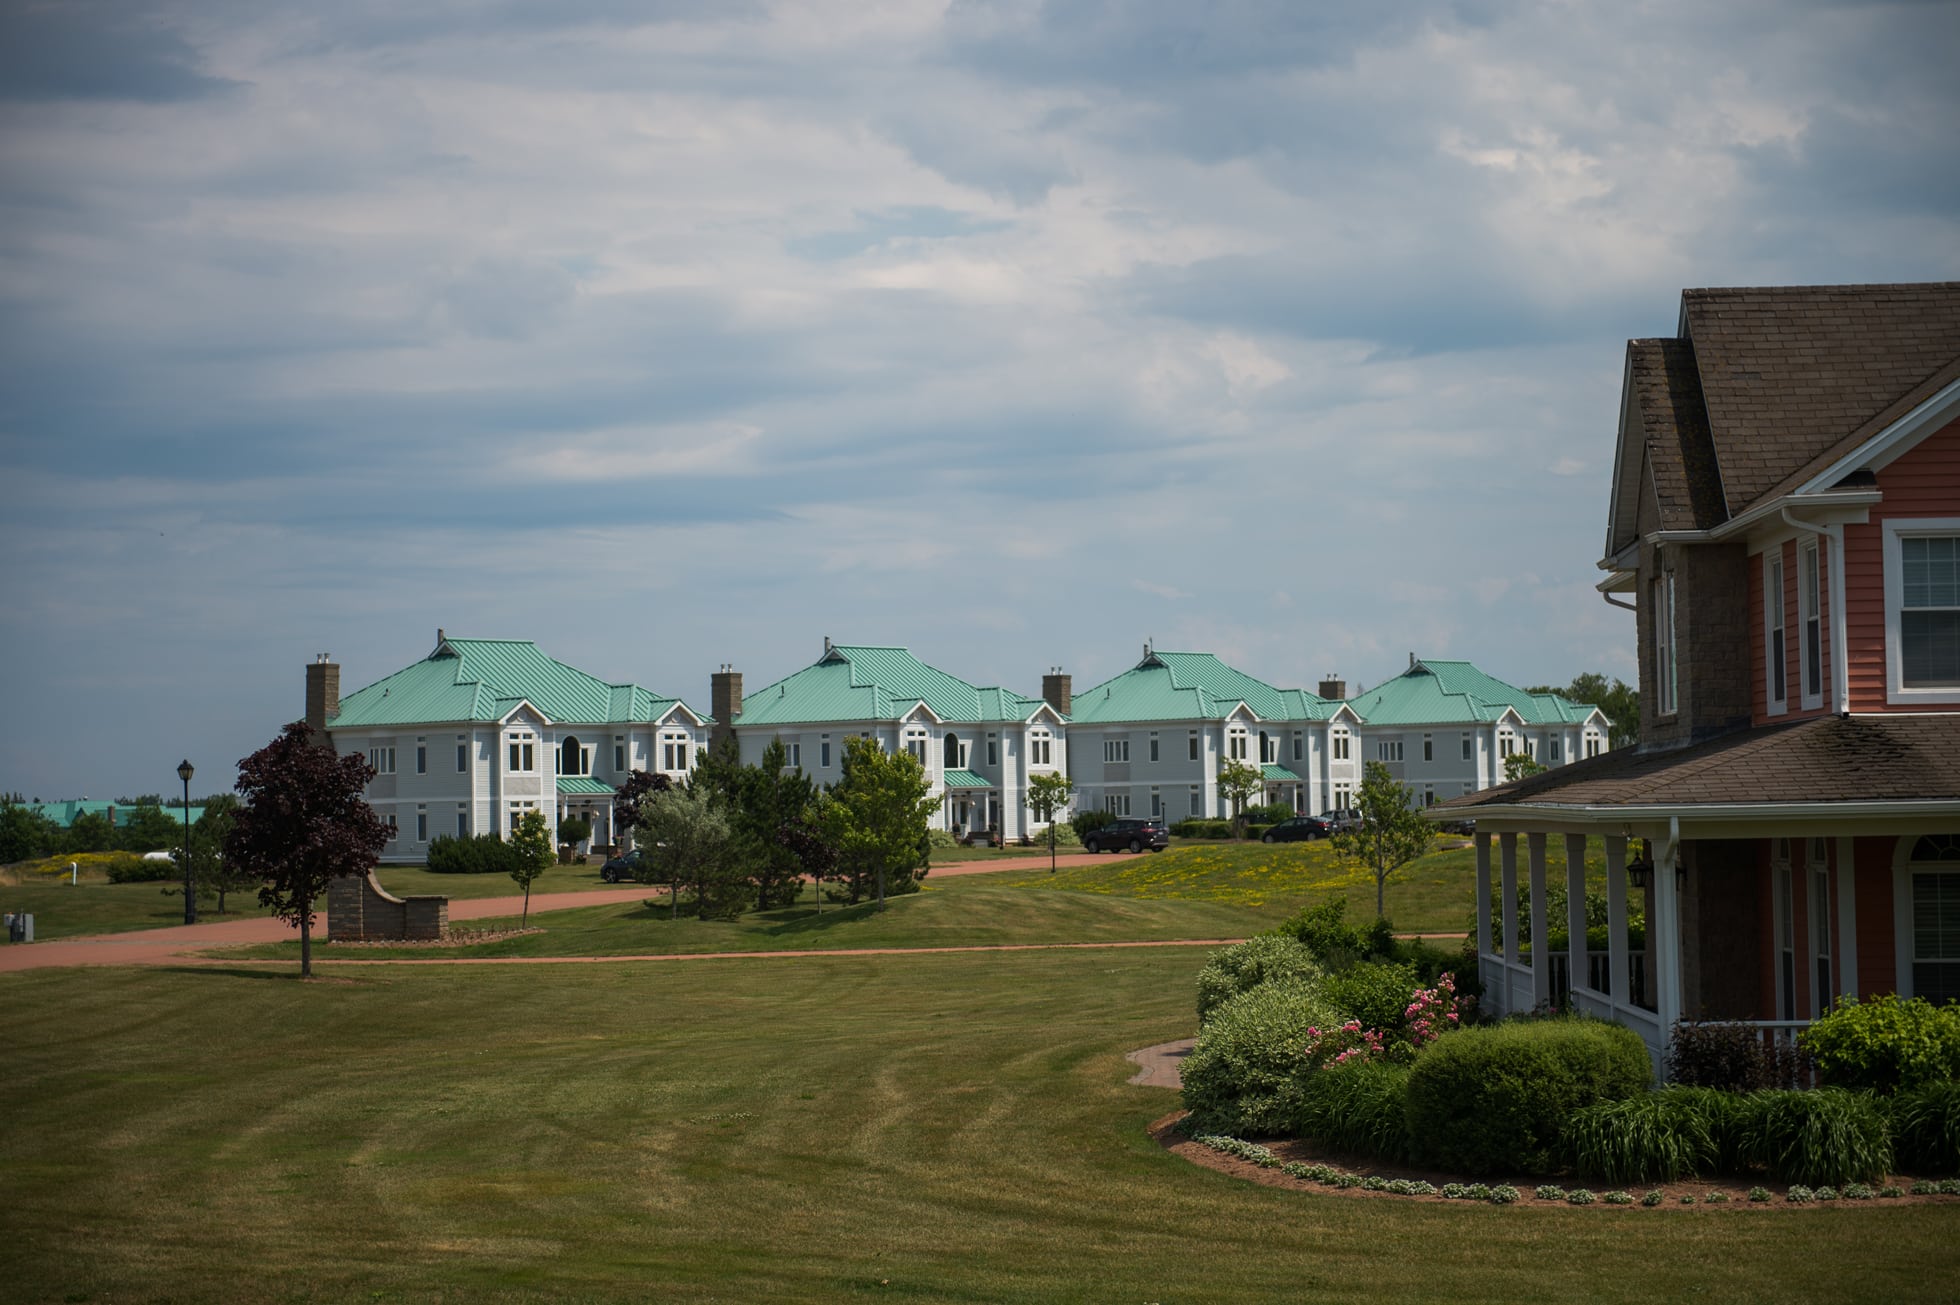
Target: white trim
<point>1775,659</point>
<point>1847,912</point>
<point>1893,565</point>
<point>1894,441</point>
<point>1902,915</point>
<point>1810,593</point>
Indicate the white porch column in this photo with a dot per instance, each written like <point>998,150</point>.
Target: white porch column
<point>1847,910</point>
<point>1616,920</point>
<point>1666,931</point>
<point>1507,849</point>
<point>1541,961</point>
<point>1575,911</point>
<point>1483,894</point>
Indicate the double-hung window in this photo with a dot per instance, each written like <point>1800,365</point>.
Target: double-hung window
<point>382,759</point>
<point>1662,617</point>
<point>1116,750</point>
<point>1935,918</point>
<point>1810,581</point>
<point>1923,611</point>
<point>521,753</point>
<point>1775,661</point>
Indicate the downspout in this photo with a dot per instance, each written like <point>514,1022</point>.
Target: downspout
<point>1840,671</point>
<point>1631,607</point>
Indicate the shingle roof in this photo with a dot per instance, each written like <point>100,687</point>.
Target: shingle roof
<point>1446,692</point>
<point>483,679</point>
<point>851,683</point>
<point>1674,426</point>
<point>1788,373</point>
<point>1191,686</point>
<point>1824,759</point>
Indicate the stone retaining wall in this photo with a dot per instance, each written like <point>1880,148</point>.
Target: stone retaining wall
<point>361,910</point>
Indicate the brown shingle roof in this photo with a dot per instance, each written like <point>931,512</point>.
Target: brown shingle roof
<point>1827,759</point>
<point>1789,372</point>
<point>1674,424</point>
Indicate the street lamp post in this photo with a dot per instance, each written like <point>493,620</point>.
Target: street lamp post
<point>184,772</point>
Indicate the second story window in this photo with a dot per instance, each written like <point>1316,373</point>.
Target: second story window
<point>794,755</point>
<point>1929,612</point>
<point>915,743</point>
<point>382,759</point>
<point>1340,747</point>
<point>1388,750</point>
<point>1506,743</point>
<point>673,752</point>
<point>1662,616</point>
<point>1775,664</point>
<point>521,754</point>
<point>1116,750</point>
<point>574,758</point>
<point>1810,582</point>
<point>1041,748</point>
<point>1235,745</point>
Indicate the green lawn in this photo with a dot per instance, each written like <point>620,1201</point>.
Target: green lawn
<point>970,910</point>
<point>62,911</point>
<point>933,1128</point>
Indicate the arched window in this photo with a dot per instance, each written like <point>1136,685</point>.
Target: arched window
<point>953,761</point>
<point>1265,748</point>
<point>572,757</point>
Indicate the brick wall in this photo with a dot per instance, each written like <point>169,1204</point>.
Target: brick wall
<point>1711,641</point>
<point>361,910</point>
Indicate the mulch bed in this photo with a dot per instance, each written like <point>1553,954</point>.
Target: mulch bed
<point>1165,1132</point>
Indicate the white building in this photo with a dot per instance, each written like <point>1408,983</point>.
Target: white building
<point>978,745</point>
<point>480,731</point>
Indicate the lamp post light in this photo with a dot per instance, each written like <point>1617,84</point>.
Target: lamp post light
<point>184,772</point>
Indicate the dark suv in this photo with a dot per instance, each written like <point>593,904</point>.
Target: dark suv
<point>1133,832</point>
<point>622,869</point>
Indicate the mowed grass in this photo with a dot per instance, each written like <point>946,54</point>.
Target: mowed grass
<point>64,911</point>
<point>930,1128</point>
<point>964,911</point>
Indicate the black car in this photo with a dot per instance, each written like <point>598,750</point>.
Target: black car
<point>623,869</point>
<point>1133,832</point>
<point>1296,829</point>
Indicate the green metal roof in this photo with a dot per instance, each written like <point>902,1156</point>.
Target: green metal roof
<point>64,813</point>
<point>583,784</point>
<point>967,779</point>
<point>483,679</point>
<point>1450,693</point>
<point>862,683</point>
<point>1279,773</point>
<point>1192,686</point>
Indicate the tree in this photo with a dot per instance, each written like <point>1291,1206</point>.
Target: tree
<point>769,818</point>
<point>215,875</point>
<point>1619,700</point>
<point>687,841</point>
<point>304,824</point>
<point>1520,764</point>
<point>877,818</point>
<point>1391,831</point>
<point>89,831</point>
<point>574,829</point>
<point>531,841</point>
<point>25,833</point>
<point>152,829</point>
<point>626,798</point>
<point>1238,784</point>
<point>1048,794</point>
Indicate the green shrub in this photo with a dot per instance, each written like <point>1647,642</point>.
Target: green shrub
<point>574,829</point>
<point>1358,1107</point>
<point>1496,1099</point>
<point>1885,1044</point>
<point>1656,1137</point>
<point>1089,821</point>
<point>1826,1136</point>
<point>485,854</point>
<point>129,868</point>
<point>1376,993</point>
<point>1269,814</point>
<point>1325,932</point>
<point>1064,835</point>
<point>1926,1128</point>
<point>935,838</point>
<point>1197,827</point>
<point>1727,1119</point>
<point>1245,1075</point>
<point>1733,1057</point>
<point>1246,965</point>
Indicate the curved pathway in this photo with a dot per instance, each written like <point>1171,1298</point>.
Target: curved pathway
<point>172,945</point>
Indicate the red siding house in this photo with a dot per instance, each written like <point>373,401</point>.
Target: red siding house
<point>1785,522</point>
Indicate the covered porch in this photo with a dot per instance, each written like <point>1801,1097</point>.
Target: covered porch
<point>972,804</point>
<point>581,795</point>
<point>1284,785</point>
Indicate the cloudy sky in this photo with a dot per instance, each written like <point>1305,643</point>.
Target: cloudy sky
<point>672,334</point>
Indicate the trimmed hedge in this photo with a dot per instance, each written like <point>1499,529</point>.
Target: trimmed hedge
<point>1885,1044</point>
<point>485,854</point>
<point>1496,1099</point>
<point>1244,966</point>
<point>1246,1073</point>
<point>1202,828</point>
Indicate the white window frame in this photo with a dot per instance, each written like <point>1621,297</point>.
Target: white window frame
<point>421,824</point>
<point>1810,624</point>
<point>1235,743</point>
<point>993,750</point>
<point>823,751</point>
<point>1896,691</point>
<point>1666,670</point>
<point>520,754</point>
<point>462,754</point>
<point>795,754</point>
<point>382,759</point>
<point>1341,739</point>
<point>1154,752</point>
<point>1116,752</point>
<point>1905,871</point>
<point>421,756</point>
<point>1041,748</point>
<point>1117,804</point>
<point>1776,635</point>
<point>1469,750</point>
<point>1194,745</point>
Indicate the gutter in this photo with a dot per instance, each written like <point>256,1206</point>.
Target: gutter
<point>1653,813</point>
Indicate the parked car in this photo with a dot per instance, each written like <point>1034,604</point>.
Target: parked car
<point>623,869</point>
<point>1458,826</point>
<point>1297,829</point>
<point>1133,832</point>
<point>1340,820</point>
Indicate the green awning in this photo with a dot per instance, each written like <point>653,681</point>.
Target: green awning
<point>584,785</point>
<point>967,779</point>
<point>1280,774</point>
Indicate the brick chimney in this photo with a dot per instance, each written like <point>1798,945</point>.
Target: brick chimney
<point>1332,689</point>
<point>724,700</point>
<point>1057,690</point>
<point>322,693</point>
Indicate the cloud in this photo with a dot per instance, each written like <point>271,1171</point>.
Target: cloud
<point>97,51</point>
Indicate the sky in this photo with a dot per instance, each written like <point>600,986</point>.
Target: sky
<point>674,334</point>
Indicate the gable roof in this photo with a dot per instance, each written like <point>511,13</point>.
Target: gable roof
<point>857,682</point>
<point>1445,692</point>
<point>486,679</point>
<point>1191,686</point>
<point>1764,386</point>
